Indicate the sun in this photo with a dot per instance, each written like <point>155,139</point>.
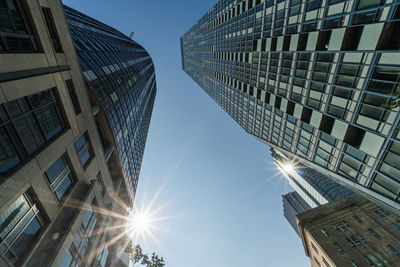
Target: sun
<point>138,222</point>
<point>288,167</point>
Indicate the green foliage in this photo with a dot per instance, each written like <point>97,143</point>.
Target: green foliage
<point>394,102</point>
<point>137,256</point>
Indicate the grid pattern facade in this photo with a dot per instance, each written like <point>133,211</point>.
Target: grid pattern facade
<point>121,75</point>
<point>308,77</point>
<point>293,204</point>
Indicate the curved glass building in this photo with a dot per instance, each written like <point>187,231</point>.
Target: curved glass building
<point>121,77</point>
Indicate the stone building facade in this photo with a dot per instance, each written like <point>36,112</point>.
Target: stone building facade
<point>351,232</point>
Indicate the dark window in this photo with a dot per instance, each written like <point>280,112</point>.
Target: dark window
<point>306,115</point>
<point>14,35</point>
<point>290,108</point>
<point>323,40</point>
<point>302,43</point>
<point>351,38</point>
<point>354,136</point>
<point>309,27</point>
<point>326,124</point>
<point>363,4</point>
<point>368,17</point>
<point>375,234</point>
<point>278,101</point>
<point>358,219</point>
<point>390,37</point>
<point>313,4</point>
<point>51,27</point>
<point>273,44</point>
<point>20,226</point>
<point>60,178</point>
<point>267,97</point>
<point>26,124</point>
<point>286,43</point>
<point>83,148</point>
<point>73,96</point>
<point>334,23</point>
<point>395,251</point>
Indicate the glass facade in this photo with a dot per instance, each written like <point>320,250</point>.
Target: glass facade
<point>293,204</point>
<point>121,75</point>
<point>308,77</point>
<point>314,187</point>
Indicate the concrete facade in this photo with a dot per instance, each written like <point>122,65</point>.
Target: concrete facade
<point>61,214</point>
<point>350,232</point>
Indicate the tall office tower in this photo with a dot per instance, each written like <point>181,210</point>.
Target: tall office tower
<point>121,77</point>
<point>60,186</point>
<point>293,204</point>
<point>314,187</point>
<point>309,78</point>
<point>350,232</point>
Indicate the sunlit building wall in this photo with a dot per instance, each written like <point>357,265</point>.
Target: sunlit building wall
<point>350,232</point>
<point>64,192</point>
<point>308,78</point>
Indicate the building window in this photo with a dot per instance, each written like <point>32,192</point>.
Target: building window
<point>26,124</point>
<point>352,263</point>
<point>358,219</point>
<point>342,226</point>
<point>363,4</point>
<point>396,225</point>
<point>83,148</point>
<point>325,262</point>
<point>20,226</point>
<point>60,178</point>
<point>355,240</point>
<point>99,177</point>
<point>339,248</point>
<point>382,213</point>
<point>395,251</point>
<point>51,27</point>
<point>14,35</point>
<point>317,262</point>
<point>375,234</point>
<point>73,96</point>
<point>314,248</point>
<point>102,259</point>
<point>324,232</point>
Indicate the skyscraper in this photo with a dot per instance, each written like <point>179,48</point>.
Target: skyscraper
<point>350,232</point>
<point>62,183</point>
<point>309,78</point>
<point>293,204</point>
<point>121,77</point>
<point>314,187</point>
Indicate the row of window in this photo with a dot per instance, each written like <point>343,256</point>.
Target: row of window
<point>29,123</point>
<point>16,34</point>
<point>23,222</point>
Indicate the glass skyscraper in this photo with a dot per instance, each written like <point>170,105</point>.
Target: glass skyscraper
<point>120,74</point>
<point>314,187</point>
<point>293,204</point>
<point>308,78</point>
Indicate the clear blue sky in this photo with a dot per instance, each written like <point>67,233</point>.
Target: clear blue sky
<point>214,186</point>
